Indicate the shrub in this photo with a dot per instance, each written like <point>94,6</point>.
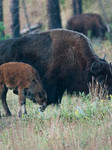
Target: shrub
<point>2,28</point>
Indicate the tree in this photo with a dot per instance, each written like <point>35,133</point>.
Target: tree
<point>1,16</point>
<point>53,12</point>
<point>77,7</point>
<point>15,18</point>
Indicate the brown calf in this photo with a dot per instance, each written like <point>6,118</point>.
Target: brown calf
<point>23,79</point>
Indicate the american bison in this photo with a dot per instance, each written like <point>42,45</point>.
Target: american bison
<point>87,22</point>
<point>64,59</point>
<point>24,79</point>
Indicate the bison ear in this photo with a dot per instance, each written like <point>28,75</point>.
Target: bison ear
<point>96,68</point>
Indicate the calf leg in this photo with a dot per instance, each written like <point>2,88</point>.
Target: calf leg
<point>24,105</point>
<point>22,100</point>
<point>3,98</point>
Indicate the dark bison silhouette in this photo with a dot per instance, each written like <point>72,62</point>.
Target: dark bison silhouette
<point>87,22</point>
<point>65,60</point>
<point>25,80</point>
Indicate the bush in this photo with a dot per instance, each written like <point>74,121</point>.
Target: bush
<point>2,28</point>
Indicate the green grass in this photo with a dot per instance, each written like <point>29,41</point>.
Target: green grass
<point>80,123</point>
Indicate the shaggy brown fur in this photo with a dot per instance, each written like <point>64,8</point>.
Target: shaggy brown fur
<point>25,80</point>
<point>64,59</point>
<point>87,22</point>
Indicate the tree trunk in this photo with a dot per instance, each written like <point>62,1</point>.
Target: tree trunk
<point>1,15</point>
<point>53,12</point>
<point>15,18</point>
<point>77,7</point>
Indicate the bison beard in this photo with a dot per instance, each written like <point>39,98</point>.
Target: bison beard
<point>63,59</point>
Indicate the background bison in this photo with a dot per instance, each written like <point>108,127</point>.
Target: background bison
<point>64,59</point>
<point>87,22</point>
<point>25,80</point>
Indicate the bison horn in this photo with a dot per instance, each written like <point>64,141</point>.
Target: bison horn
<point>104,56</point>
<point>110,68</point>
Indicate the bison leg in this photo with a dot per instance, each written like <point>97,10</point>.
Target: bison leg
<point>22,101</point>
<point>3,98</point>
<point>59,95</point>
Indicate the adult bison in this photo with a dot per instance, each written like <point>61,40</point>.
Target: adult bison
<point>64,59</point>
<point>87,22</point>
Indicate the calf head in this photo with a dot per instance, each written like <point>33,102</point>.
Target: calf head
<point>102,72</point>
<point>42,97</point>
<point>39,95</point>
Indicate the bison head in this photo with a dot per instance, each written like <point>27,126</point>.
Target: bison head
<point>102,71</point>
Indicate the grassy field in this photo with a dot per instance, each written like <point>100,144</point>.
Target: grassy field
<point>81,123</point>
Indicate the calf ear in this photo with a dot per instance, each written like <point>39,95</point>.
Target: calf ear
<point>96,68</point>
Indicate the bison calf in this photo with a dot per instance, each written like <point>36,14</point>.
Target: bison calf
<point>87,22</point>
<point>25,81</point>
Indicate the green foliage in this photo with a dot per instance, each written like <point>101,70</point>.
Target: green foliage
<point>2,28</point>
<point>43,27</point>
<point>87,4</point>
<point>89,33</point>
<point>62,2</point>
<point>109,35</point>
<point>84,97</point>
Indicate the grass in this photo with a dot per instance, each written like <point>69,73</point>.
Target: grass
<point>81,123</point>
